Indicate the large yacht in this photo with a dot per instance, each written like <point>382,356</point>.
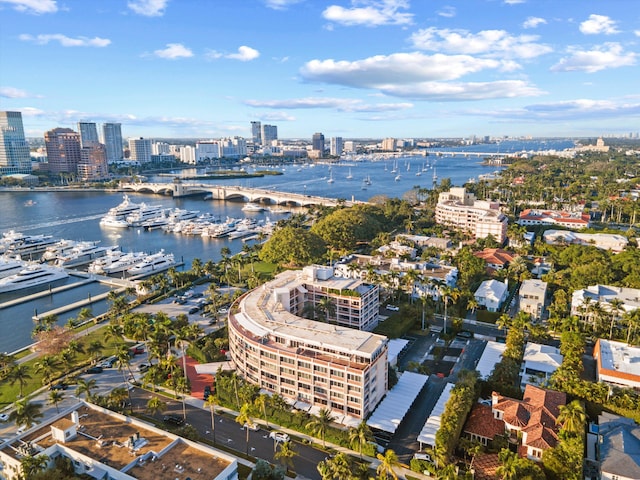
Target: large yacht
<point>252,207</point>
<point>82,253</point>
<point>145,213</point>
<point>31,245</point>
<point>57,250</point>
<point>123,263</point>
<point>32,276</point>
<point>116,216</point>
<point>10,266</point>
<point>156,262</point>
<point>112,256</point>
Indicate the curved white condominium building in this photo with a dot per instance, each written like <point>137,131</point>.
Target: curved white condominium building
<point>306,361</point>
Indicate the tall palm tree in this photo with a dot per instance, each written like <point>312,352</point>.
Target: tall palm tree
<point>31,465</point>
<point>508,470</point>
<point>95,350</point>
<point>448,294</point>
<point>285,454</point>
<point>261,402</point>
<point>616,310</point>
<point>210,403</point>
<point>85,387</point>
<point>388,462</point>
<point>320,424</point>
<point>55,397</point>
<point>25,413</point>
<point>572,417</point>
<point>47,365</point>
<point>360,436</point>
<point>244,418</point>
<point>325,309</point>
<point>19,373</point>
<point>155,405</point>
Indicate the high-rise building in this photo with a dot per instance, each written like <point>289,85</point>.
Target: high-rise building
<point>93,162</point>
<point>335,146</point>
<point>88,134</point>
<point>63,150</point>
<point>140,149</point>
<point>389,144</point>
<point>256,133</point>
<point>112,139</point>
<point>14,149</point>
<point>269,133</point>
<point>317,143</point>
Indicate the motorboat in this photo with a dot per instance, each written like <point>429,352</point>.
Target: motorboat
<point>156,262</point>
<point>349,177</point>
<point>112,221</point>
<point>143,214</point>
<point>116,216</point>
<point>34,275</point>
<point>179,214</point>
<point>82,253</point>
<point>57,250</point>
<point>10,266</point>
<point>31,245</point>
<point>252,207</point>
<point>98,265</point>
<point>123,263</point>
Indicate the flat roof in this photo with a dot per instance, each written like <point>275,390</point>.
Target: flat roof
<point>396,404</point>
<point>490,357</point>
<point>432,425</point>
<point>620,357</point>
<point>262,315</point>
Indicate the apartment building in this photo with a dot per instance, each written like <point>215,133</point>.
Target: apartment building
<point>309,362</point>
<point>460,209</point>
<point>576,220</point>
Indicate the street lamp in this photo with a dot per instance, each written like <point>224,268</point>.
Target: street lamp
<point>305,190</point>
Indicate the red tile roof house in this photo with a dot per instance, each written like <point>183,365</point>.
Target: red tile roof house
<point>576,220</point>
<point>534,417</point>
<point>495,258</point>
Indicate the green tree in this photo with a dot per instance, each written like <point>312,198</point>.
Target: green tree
<point>55,397</point>
<point>572,417</point>
<point>244,418</point>
<point>85,387</point>
<point>388,462</point>
<point>320,424</point>
<point>210,403</point>
<point>19,373</point>
<point>32,465</point>
<point>360,436</point>
<point>293,246</point>
<point>25,413</point>
<point>285,454</point>
<point>155,405</point>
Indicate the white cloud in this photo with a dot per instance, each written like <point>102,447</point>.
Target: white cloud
<point>11,92</point>
<point>148,8</point>
<point>487,42</point>
<point>371,13</point>
<point>514,2</point>
<point>461,91</point>
<point>598,24</point>
<point>636,33</point>
<point>277,117</point>
<point>65,41</point>
<point>280,4</point>
<point>340,104</point>
<point>609,55</point>
<point>397,68</point>
<point>33,6</point>
<point>533,22</point>
<point>174,51</point>
<point>244,54</point>
<point>579,109</point>
<point>447,11</point>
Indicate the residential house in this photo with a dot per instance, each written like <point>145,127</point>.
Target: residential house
<point>617,363</point>
<point>532,298</point>
<point>576,220</point>
<point>604,241</point>
<point>491,294</point>
<point>538,363</point>
<point>495,258</point>
<point>606,296</point>
<point>618,448</point>
<point>481,426</point>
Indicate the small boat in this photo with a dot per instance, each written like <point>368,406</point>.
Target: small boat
<point>349,177</point>
<point>331,180</point>
<point>34,275</point>
<point>30,203</point>
<point>252,207</point>
<point>398,177</point>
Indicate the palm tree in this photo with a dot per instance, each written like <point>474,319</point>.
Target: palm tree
<point>95,350</point>
<point>360,436</point>
<point>117,398</point>
<point>31,465</point>
<point>508,470</point>
<point>47,365</point>
<point>19,373</point>
<point>210,403</point>
<point>320,424</point>
<point>55,397</point>
<point>572,418</point>
<point>261,402</point>
<point>244,418</point>
<point>155,405</point>
<point>616,307</point>
<point>286,454</point>
<point>86,387</point>
<point>449,472</point>
<point>26,413</point>
<point>448,294</point>
<point>388,462</point>
<point>325,309</point>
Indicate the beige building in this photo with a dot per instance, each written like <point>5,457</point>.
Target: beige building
<point>532,298</point>
<point>308,362</point>
<point>458,208</point>
<point>102,444</point>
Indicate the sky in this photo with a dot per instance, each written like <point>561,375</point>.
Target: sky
<point>349,68</point>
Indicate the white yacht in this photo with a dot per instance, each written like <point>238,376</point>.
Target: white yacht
<point>252,207</point>
<point>112,221</point>
<point>57,250</point>
<point>143,214</point>
<point>33,276</point>
<point>31,245</point>
<point>156,262</point>
<point>113,255</point>
<point>116,216</point>
<point>123,263</point>
<point>179,214</point>
<point>84,252</point>
<point>10,266</point>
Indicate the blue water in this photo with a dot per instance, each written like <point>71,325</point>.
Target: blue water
<point>75,215</point>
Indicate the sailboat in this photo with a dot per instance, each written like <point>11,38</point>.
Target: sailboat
<point>349,177</point>
<point>331,180</point>
<point>364,184</point>
<point>408,166</point>
<point>367,180</point>
<point>395,167</point>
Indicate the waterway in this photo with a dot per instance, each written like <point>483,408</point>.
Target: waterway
<point>76,215</point>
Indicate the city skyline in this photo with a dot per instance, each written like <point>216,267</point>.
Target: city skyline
<point>361,69</point>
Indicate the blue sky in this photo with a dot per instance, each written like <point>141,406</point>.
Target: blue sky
<point>350,68</point>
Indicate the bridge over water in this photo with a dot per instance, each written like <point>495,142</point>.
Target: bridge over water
<point>232,192</point>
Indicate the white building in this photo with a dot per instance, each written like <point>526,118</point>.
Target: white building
<point>335,146</point>
<point>532,298</point>
<point>538,363</point>
<point>207,150</point>
<point>491,356</point>
<point>604,295</point>
<point>491,294</point>
<point>604,241</point>
<point>576,220</point>
<point>112,139</point>
<point>617,363</point>
<point>140,149</point>
<point>458,208</point>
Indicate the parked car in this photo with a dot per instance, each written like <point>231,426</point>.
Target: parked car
<point>279,437</point>
<point>207,392</point>
<point>252,426</point>
<point>137,350</point>
<point>94,369</point>
<point>173,420</point>
<point>194,309</point>
<point>393,308</point>
<point>108,363</point>
<point>143,367</point>
<point>423,456</point>
<point>464,334</point>
<point>59,386</point>
<point>4,417</point>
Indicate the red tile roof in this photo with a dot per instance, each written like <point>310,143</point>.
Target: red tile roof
<point>495,256</point>
<point>482,423</point>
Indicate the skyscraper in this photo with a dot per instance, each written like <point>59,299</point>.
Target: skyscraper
<point>93,162</point>
<point>88,134</point>
<point>14,149</point>
<point>63,150</point>
<point>268,133</point>
<point>112,139</point>
<point>140,149</point>
<point>335,146</point>
<point>317,143</point>
<point>256,133</point>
